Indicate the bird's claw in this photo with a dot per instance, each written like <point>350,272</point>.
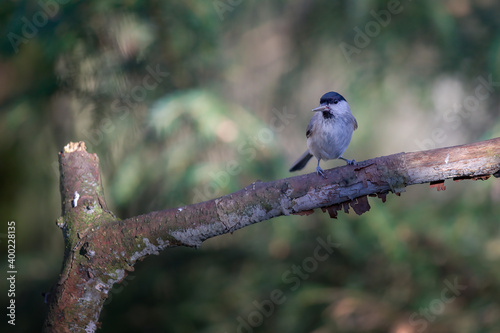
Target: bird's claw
<point>349,162</point>
<point>320,172</point>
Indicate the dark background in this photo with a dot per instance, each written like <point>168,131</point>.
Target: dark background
<point>233,108</point>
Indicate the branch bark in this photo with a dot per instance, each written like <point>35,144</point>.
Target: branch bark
<point>100,248</point>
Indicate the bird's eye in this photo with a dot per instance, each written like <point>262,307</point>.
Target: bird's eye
<point>335,101</point>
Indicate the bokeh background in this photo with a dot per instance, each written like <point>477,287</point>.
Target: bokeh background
<point>188,101</point>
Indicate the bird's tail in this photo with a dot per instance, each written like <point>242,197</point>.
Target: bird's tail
<point>301,162</point>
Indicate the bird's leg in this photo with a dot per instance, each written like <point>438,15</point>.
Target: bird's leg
<point>320,171</point>
<point>349,162</point>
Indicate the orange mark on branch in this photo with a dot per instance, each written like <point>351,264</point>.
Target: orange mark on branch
<point>438,184</point>
<point>382,196</point>
<point>359,205</point>
<point>305,212</point>
<point>332,210</point>
<point>483,177</point>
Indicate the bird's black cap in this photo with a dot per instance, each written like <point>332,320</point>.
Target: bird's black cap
<point>331,98</point>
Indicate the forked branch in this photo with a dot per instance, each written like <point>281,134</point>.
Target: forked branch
<point>101,248</point>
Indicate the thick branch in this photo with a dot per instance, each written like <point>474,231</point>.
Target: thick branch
<point>193,224</point>
<point>104,248</point>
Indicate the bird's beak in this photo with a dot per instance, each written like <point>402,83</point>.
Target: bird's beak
<point>320,108</point>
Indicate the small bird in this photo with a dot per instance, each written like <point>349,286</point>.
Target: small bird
<point>329,132</point>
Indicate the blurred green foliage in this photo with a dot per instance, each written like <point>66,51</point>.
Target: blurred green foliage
<point>188,101</point>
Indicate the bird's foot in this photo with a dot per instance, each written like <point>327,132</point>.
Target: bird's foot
<point>349,162</point>
<point>320,172</point>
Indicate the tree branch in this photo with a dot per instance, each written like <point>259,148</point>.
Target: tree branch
<point>100,248</point>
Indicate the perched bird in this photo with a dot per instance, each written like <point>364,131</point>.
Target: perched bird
<point>329,132</point>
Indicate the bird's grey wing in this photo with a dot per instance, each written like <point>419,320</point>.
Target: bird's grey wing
<point>302,161</point>
<point>309,129</point>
